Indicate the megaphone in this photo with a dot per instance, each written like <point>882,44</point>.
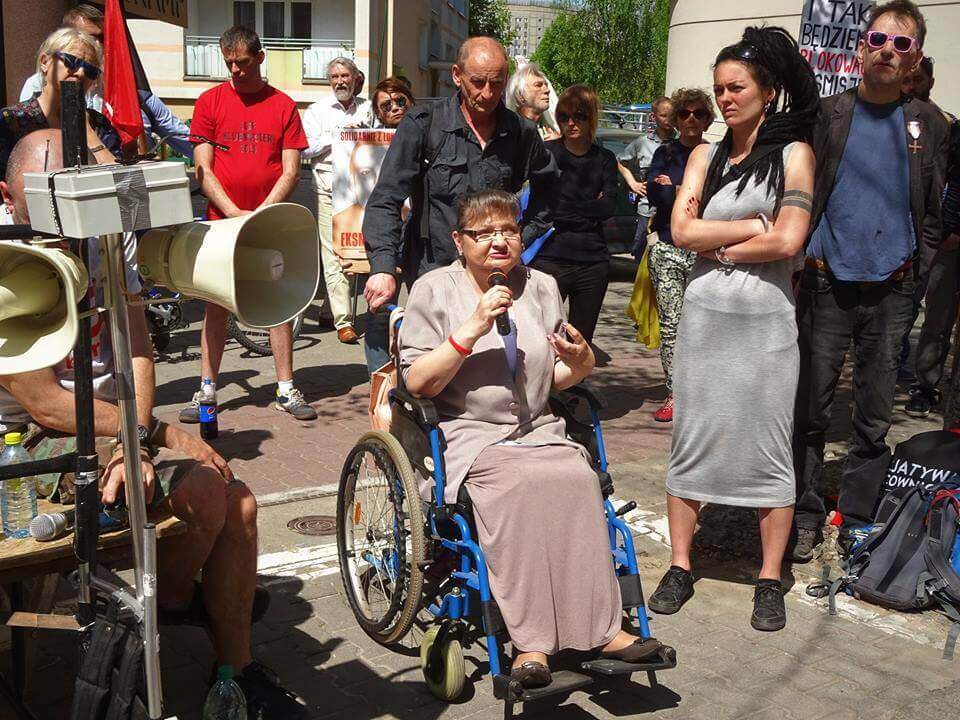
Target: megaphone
<point>263,267</point>
<point>39,292</point>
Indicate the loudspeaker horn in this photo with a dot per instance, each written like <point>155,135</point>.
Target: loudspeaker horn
<point>39,292</point>
<point>263,267</point>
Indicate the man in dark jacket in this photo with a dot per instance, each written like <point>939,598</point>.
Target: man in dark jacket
<point>876,228</point>
<point>442,152</point>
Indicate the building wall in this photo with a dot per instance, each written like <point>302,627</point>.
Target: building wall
<point>25,25</point>
<point>529,19</point>
<point>699,29</point>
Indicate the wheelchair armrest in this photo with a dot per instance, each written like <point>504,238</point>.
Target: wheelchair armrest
<point>586,393</point>
<point>425,411</point>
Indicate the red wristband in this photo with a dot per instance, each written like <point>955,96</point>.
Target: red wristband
<point>458,347</point>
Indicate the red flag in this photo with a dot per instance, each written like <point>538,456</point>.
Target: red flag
<point>120,99</point>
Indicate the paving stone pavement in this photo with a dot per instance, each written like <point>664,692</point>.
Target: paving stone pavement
<point>862,663</point>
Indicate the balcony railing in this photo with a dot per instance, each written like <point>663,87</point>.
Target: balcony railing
<point>203,60</point>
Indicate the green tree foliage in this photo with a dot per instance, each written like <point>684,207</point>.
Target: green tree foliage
<point>618,47</point>
<point>491,17</point>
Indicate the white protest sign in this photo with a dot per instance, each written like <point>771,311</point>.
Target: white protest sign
<point>830,31</point>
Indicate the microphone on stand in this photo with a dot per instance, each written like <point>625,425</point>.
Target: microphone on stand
<point>503,320</point>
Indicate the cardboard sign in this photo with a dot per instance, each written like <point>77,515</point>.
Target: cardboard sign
<point>171,11</point>
<point>356,157</point>
<point>830,31</point>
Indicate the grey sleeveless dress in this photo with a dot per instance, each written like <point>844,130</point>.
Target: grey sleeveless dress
<point>735,373</point>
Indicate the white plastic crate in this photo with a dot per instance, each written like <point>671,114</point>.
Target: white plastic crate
<point>103,199</point>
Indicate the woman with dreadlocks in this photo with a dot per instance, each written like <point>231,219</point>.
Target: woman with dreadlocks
<point>744,208</point>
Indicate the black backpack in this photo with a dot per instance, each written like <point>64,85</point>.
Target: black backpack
<point>904,562</point>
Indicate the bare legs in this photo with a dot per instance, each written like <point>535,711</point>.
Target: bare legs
<point>213,339</point>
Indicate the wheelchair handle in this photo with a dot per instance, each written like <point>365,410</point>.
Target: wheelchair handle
<point>632,505</point>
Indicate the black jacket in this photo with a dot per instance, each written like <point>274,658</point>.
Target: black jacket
<point>927,166</point>
<point>434,148</point>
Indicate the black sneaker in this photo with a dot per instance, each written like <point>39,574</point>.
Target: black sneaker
<point>675,588</point>
<point>769,612</point>
<point>266,699</point>
<point>803,542</point>
<point>921,402</point>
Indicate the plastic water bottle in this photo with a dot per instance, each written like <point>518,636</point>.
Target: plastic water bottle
<point>18,498</point>
<point>225,701</point>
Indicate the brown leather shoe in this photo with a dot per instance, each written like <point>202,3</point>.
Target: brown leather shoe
<point>347,335</point>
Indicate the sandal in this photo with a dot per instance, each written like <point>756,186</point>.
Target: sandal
<point>532,674</point>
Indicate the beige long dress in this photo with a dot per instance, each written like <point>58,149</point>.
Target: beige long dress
<point>537,502</point>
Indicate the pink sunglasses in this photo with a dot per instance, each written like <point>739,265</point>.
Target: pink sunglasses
<point>901,43</point>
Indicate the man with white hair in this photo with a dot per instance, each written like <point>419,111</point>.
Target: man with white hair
<point>321,122</point>
<point>528,94</point>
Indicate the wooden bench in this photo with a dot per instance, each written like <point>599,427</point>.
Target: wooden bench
<point>23,560</point>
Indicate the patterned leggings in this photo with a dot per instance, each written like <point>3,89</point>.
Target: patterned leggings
<point>669,269</point>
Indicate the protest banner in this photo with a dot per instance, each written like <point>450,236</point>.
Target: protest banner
<point>830,31</point>
<point>356,156</point>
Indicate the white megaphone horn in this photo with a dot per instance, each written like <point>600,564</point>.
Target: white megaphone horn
<point>39,292</point>
<point>263,267</point>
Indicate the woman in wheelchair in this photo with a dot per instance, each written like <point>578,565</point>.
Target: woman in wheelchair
<point>536,500</point>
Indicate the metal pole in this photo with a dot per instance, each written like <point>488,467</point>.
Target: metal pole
<point>74,141</point>
<point>144,539</point>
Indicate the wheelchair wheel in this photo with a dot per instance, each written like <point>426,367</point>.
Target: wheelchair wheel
<point>380,537</point>
<point>453,671</point>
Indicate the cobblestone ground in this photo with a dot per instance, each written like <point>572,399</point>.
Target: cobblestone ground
<point>861,663</point>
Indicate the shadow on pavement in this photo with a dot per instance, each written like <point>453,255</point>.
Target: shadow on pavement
<point>240,444</point>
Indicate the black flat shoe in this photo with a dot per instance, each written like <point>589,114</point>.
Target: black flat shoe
<point>532,674</point>
<point>769,611</point>
<point>638,651</point>
<point>675,588</point>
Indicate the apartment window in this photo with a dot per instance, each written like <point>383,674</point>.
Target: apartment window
<point>300,20</point>
<point>245,14</point>
<point>273,20</point>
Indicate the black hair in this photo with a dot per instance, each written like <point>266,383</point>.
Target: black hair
<point>240,36</point>
<point>902,9</point>
<point>775,62</point>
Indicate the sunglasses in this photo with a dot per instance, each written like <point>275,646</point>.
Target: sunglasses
<point>488,237</point>
<point>73,64</point>
<point>699,114</point>
<point>577,117</point>
<point>901,43</point>
<point>400,102</point>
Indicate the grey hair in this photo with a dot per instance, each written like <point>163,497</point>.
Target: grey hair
<point>348,63</point>
<point>517,85</point>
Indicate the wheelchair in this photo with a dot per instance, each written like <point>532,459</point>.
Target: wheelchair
<point>403,559</point>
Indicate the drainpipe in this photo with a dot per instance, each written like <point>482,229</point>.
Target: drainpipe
<point>389,69</point>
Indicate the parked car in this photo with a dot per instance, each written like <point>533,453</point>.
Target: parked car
<point>620,229</point>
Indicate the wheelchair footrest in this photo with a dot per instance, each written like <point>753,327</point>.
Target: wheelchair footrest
<point>563,682</point>
<point>665,659</point>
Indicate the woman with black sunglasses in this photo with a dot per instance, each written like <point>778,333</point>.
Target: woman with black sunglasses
<point>392,99</point>
<point>576,255</point>
<point>744,208</point>
<point>66,54</point>
<point>670,265</point>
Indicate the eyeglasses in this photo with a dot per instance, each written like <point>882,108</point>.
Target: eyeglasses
<point>577,117</point>
<point>73,63</point>
<point>488,237</point>
<point>699,114</point>
<point>400,102</point>
<point>901,43</point>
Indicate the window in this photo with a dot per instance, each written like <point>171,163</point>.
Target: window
<point>300,20</point>
<point>245,14</point>
<point>273,20</point>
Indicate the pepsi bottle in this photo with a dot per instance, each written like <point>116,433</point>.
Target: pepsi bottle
<point>208,419</point>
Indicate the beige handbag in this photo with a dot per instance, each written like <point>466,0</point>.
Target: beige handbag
<point>384,379</point>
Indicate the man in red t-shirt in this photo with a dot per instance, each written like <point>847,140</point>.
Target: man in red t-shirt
<point>261,127</point>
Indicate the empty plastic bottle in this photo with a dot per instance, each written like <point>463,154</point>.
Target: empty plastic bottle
<point>225,701</point>
<point>18,497</point>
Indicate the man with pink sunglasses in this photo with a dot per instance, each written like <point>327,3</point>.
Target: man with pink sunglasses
<point>876,226</point>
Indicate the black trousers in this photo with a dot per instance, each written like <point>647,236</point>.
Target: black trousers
<point>832,314</point>
<point>585,284</point>
<point>938,320</point>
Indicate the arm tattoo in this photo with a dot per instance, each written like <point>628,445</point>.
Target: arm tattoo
<point>798,198</point>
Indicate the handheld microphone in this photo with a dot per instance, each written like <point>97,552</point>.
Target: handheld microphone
<point>503,321</point>
<point>51,526</point>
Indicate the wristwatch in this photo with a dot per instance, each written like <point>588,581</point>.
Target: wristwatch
<point>143,435</point>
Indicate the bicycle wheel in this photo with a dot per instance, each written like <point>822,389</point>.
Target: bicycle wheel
<point>380,537</point>
<point>257,340</point>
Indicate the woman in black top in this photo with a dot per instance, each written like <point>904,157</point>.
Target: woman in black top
<point>669,265</point>
<point>576,255</point>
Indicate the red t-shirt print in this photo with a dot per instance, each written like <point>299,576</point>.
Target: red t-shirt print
<point>257,127</point>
